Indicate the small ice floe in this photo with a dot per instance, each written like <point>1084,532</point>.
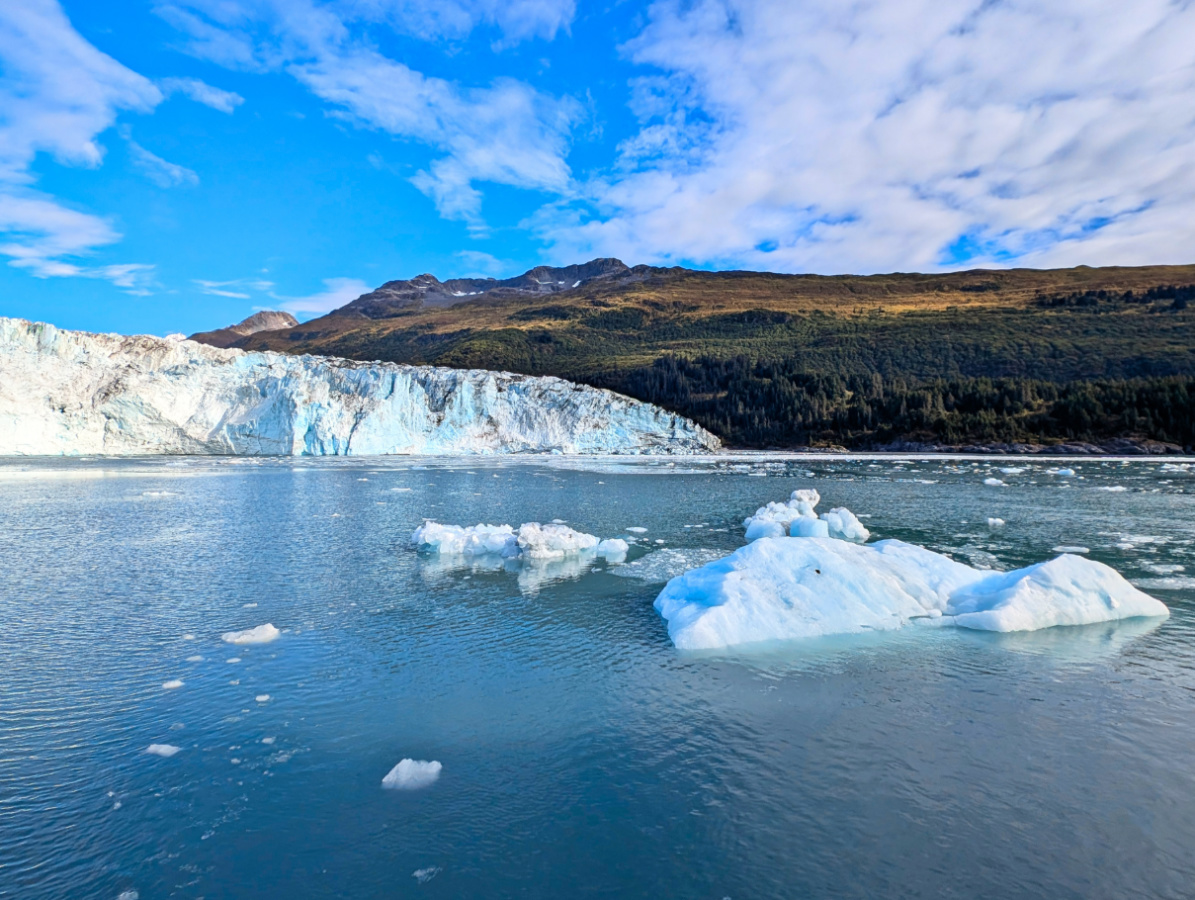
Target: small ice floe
<point>268,740</point>
<point>129,895</point>
<point>401,490</point>
<point>423,876</point>
<point>188,637</point>
<point>1061,473</point>
<point>1011,470</point>
<point>636,529</point>
<point>1163,568</point>
<point>993,482</point>
<point>164,750</point>
<point>798,518</point>
<point>1169,583</point>
<point>1113,489</point>
<point>412,774</point>
<point>249,606</point>
<point>172,684</point>
<point>159,495</point>
<point>613,550</point>
<point>233,660</point>
<point>995,522</point>
<point>196,658</point>
<point>784,588</point>
<point>1067,548</point>
<point>262,634</point>
<point>262,698</point>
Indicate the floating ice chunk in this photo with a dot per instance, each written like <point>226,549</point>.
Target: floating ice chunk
<point>195,658</point>
<point>412,774</point>
<point>844,526</point>
<point>551,541</point>
<point>658,567</point>
<point>993,482</point>
<point>1012,470</point>
<point>1113,489</point>
<point>475,540</point>
<point>1163,568</point>
<point>423,876</point>
<point>776,519</point>
<point>188,637</point>
<point>171,685</point>
<point>262,634</point>
<point>166,750</point>
<point>1068,548</point>
<point>233,660</point>
<point>995,523</point>
<point>784,588</point>
<point>132,895</point>
<point>1169,583</point>
<point>1063,473</point>
<point>807,527</point>
<point>613,550</point>
<point>636,529</point>
<point>262,698</point>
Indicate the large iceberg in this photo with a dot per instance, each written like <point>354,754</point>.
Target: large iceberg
<point>780,588</point>
<point>74,393</point>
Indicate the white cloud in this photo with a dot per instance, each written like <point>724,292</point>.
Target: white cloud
<point>161,172</point>
<point>235,288</point>
<point>482,265</point>
<point>200,92</point>
<point>518,20</point>
<point>505,133</point>
<point>337,292</point>
<point>901,134</point>
<point>57,93</point>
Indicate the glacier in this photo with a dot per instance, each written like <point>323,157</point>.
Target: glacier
<point>782,588</point>
<point>71,393</point>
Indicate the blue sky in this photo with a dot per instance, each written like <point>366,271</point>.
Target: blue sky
<point>172,166</point>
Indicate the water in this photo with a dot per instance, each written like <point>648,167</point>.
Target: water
<point>582,755</point>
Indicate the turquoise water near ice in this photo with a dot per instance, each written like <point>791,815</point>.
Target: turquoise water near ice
<point>583,756</point>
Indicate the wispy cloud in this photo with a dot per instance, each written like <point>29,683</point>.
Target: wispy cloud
<point>481,264</point>
<point>201,92</point>
<point>160,171</point>
<point>57,93</point>
<point>901,134</point>
<point>235,288</point>
<point>337,292</point>
<point>506,132</point>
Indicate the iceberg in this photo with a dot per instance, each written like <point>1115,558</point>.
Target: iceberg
<point>163,750</point>
<point>798,517</point>
<point>262,634</point>
<point>412,774</point>
<point>782,588</point>
<point>70,393</point>
<point>474,540</point>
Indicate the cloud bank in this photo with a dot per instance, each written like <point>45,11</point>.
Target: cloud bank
<point>900,134</point>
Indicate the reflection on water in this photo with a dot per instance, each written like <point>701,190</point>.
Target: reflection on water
<point>581,753</point>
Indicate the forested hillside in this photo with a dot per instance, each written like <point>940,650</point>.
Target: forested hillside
<point>775,361</point>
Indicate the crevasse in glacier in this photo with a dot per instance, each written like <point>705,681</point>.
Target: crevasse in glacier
<point>73,393</point>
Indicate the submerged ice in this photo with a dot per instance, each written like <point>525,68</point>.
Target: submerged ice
<point>783,588</point>
<point>74,393</point>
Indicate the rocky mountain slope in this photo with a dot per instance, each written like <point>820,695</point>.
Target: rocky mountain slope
<point>72,393</point>
<point>266,320</point>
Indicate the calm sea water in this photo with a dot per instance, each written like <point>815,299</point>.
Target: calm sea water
<point>583,756</point>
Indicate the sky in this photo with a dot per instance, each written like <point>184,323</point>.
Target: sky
<point>176,165</point>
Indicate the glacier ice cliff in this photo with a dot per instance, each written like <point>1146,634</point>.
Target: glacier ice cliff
<point>74,393</point>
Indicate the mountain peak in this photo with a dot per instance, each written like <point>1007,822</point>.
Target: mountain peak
<point>427,290</point>
<point>266,320</point>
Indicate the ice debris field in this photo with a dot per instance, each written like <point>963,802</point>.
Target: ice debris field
<point>804,576</point>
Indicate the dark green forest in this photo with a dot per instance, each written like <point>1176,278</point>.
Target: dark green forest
<point>774,404</point>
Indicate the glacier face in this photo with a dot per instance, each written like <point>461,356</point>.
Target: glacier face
<point>66,393</point>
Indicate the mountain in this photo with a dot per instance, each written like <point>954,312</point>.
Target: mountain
<point>424,291</point>
<point>266,320</point>
<point>769,360</point>
<point>70,393</point>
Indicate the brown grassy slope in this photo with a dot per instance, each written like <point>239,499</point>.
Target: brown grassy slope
<point>695,294</point>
